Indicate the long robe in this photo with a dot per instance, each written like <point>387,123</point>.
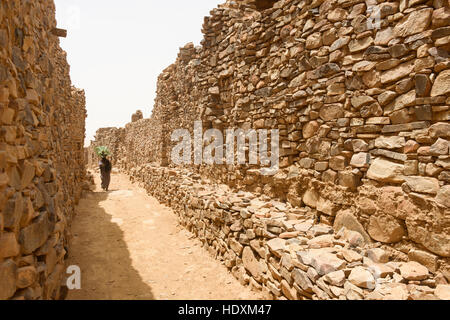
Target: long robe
<point>105,171</point>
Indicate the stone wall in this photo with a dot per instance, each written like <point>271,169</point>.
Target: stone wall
<point>360,92</point>
<point>285,253</point>
<point>135,145</point>
<point>104,137</point>
<point>42,166</point>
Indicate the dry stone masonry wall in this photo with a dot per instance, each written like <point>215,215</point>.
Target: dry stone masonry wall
<point>282,251</point>
<point>360,91</point>
<point>42,166</point>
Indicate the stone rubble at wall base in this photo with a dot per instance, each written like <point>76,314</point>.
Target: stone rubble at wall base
<point>282,251</point>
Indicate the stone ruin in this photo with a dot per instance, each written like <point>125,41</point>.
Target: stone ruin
<point>360,92</point>
<point>42,165</point>
<point>137,116</point>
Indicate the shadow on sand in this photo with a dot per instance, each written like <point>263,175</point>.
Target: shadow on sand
<point>98,247</point>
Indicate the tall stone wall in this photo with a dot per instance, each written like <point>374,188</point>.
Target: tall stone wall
<point>135,145</point>
<point>360,93</point>
<point>104,137</point>
<point>42,166</point>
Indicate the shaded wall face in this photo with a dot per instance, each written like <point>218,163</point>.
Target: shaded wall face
<point>359,94</point>
<point>41,151</point>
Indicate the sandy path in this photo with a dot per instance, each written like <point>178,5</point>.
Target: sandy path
<point>129,246</point>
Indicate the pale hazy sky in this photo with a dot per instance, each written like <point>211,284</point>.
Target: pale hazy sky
<point>118,48</point>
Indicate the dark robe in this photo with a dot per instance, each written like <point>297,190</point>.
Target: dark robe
<point>105,170</point>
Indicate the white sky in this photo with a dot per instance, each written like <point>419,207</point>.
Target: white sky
<point>118,48</point>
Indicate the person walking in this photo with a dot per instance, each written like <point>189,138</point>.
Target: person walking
<point>105,171</point>
<point>105,166</point>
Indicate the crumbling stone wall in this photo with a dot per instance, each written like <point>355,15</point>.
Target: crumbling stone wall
<point>282,251</point>
<point>104,137</point>
<point>139,143</point>
<point>42,166</point>
<point>360,92</point>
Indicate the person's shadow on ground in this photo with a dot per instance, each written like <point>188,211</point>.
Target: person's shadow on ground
<point>99,249</point>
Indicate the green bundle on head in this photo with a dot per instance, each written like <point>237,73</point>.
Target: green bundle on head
<point>102,151</point>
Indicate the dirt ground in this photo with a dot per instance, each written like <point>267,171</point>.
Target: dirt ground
<point>129,246</point>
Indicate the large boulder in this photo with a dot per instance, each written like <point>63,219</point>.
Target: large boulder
<point>310,198</point>
<point>443,196</point>
<point>348,220</point>
<point>429,260</point>
<point>440,129</point>
<point>277,246</point>
<point>252,264</point>
<point>386,171</point>
<point>386,229</point>
<point>35,235</point>
<point>310,129</point>
<point>9,247</point>
<point>331,112</point>
<point>441,17</point>
<point>442,292</point>
<point>327,206</point>
<point>438,243</point>
<point>398,72</point>
<point>415,22</point>
<point>8,271</point>
<point>413,271</point>
<point>393,142</point>
<point>440,147</point>
<point>301,279</point>
<point>441,85</point>
<point>422,184</point>
<point>362,278</point>
<point>322,260</point>
<point>378,255</point>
